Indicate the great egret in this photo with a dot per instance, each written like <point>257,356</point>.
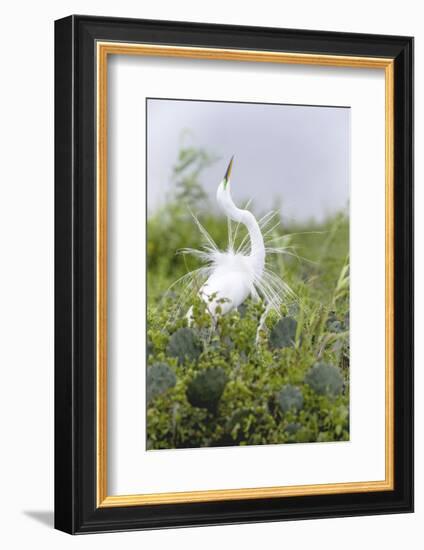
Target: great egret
<point>231,276</point>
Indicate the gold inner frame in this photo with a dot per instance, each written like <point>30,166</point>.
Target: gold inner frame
<point>104,49</point>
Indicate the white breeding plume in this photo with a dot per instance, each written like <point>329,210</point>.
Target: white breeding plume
<point>230,277</point>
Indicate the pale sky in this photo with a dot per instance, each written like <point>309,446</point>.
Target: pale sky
<point>296,155</point>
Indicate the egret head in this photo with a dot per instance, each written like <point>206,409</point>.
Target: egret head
<point>224,199</point>
<point>227,176</point>
<point>223,191</point>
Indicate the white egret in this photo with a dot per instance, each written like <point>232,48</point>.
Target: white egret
<point>231,276</point>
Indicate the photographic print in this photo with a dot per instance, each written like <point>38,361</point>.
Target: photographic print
<point>247,274</point>
<point>212,185</point>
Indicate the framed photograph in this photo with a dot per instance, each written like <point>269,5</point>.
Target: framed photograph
<point>234,274</point>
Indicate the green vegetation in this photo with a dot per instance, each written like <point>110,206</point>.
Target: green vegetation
<point>216,385</point>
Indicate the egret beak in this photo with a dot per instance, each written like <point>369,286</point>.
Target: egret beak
<point>228,172</point>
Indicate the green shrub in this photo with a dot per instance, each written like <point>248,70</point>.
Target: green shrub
<point>206,389</point>
<point>283,335</point>
<point>293,428</point>
<point>160,378</point>
<point>290,398</point>
<point>185,345</point>
<point>325,379</point>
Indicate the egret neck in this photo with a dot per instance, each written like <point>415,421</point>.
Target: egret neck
<point>257,246</point>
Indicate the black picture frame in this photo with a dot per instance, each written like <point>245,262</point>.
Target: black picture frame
<point>76,508</point>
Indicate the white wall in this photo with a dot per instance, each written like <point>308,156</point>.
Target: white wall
<point>26,272</point>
